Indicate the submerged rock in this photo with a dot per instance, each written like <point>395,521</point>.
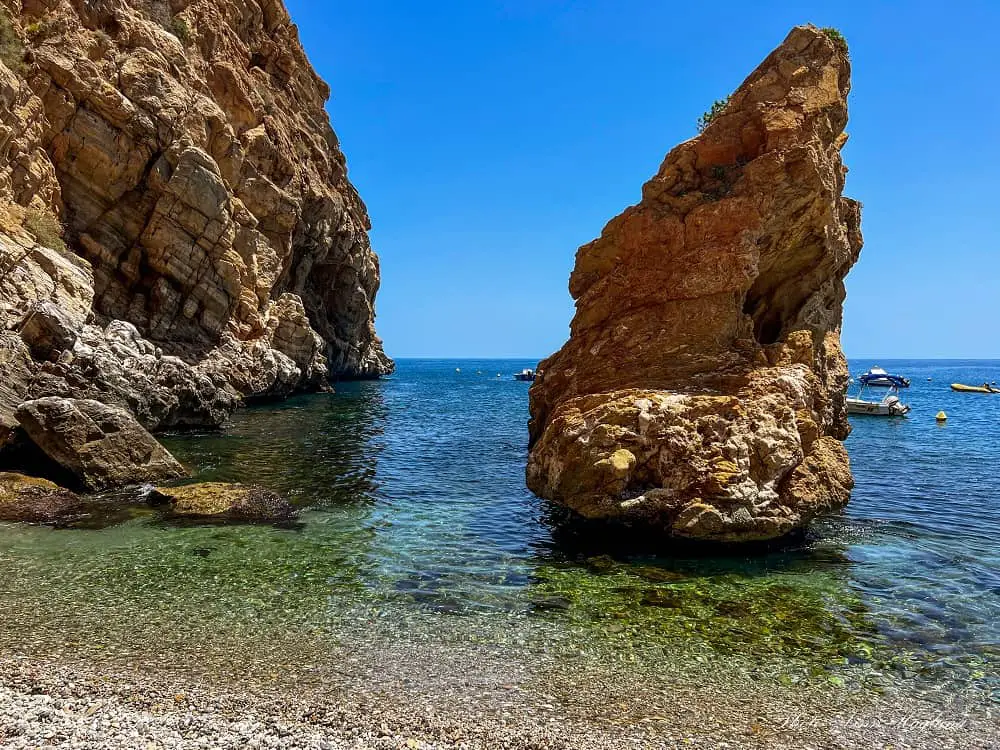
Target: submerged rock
<point>701,392</point>
<point>102,446</point>
<point>32,500</point>
<point>222,501</point>
<point>663,598</point>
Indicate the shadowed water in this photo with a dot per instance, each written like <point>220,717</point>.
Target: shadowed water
<point>417,528</point>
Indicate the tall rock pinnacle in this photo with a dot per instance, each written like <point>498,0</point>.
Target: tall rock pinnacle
<point>701,392</point>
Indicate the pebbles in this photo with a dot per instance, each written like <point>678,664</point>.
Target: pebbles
<point>32,720</point>
<point>77,706</point>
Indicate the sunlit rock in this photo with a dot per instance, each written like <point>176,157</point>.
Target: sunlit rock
<point>701,392</point>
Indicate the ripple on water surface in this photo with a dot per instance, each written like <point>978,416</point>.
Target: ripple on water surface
<point>417,527</point>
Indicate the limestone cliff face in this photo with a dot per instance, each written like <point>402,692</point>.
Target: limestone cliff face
<point>216,249</point>
<point>702,389</point>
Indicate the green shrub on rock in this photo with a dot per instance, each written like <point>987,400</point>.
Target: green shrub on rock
<point>836,37</point>
<point>45,228</point>
<point>181,30</point>
<point>11,49</point>
<point>714,111</point>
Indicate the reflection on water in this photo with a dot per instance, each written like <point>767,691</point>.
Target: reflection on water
<point>416,525</point>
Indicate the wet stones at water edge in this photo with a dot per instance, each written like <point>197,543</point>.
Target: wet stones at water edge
<point>101,446</point>
<point>701,394</point>
<point>223,502</point>
<point>32,500</point>
<point>25,499</point>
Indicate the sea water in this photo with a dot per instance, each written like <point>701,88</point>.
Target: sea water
<point>416,530</point>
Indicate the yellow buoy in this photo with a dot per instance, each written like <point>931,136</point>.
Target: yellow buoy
<point>941,417</point>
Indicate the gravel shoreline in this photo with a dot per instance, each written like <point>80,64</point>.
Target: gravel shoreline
<point>89,706</point>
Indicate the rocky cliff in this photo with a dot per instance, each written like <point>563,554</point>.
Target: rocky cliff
<point>177,230</point>
<point>701,392</point>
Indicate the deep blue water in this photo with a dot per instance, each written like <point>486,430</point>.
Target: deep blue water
<point>415,513</point>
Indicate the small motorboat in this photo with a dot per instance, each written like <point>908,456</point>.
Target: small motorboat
<point>890,406</point>
<point>526,375</point>
<point>879,377</point>
<point>984,388</point>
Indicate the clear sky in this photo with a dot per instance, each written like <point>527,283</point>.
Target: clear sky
<point>491,138</point>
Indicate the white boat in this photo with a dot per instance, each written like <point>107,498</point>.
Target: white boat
<point>526,375</point>
<point>890,406</point>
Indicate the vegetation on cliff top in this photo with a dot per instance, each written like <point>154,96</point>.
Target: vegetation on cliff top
<point>836,37</point>
<point>714,111</point>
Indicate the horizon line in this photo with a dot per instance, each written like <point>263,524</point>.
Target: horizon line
<point>539,359</point>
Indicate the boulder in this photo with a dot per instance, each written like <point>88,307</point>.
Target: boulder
<point>117,366</point>
<point>48,330</point>
<point>221,501</point>
<point>701,394</point>
<point>102,446</point>
<point>16,373</point>
<point>31,500</point>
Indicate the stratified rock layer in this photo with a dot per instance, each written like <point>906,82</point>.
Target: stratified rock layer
<point>701,392</point>
<point>216,250</point>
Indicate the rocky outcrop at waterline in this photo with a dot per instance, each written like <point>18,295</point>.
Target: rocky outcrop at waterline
<point>177,230</point>
<point>31,500</point>
<point>186,150</point>
<point>101,446</point>
<point>221,501</point>
<point>701,392</point>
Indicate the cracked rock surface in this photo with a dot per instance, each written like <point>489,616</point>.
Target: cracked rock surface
<point>215,250</point>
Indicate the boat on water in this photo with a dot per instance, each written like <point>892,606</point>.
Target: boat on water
<point>876,376</point>
<point>984,388</point>
<point>526,375</point>
<point>890,406</point>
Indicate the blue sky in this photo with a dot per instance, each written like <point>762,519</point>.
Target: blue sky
<point>491,138</point>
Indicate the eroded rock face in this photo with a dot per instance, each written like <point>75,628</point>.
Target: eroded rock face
<point>702,389</point>
<point>102,446</point>
<point>216,249</point>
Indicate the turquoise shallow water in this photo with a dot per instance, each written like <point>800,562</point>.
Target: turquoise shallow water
<point>417,525</point>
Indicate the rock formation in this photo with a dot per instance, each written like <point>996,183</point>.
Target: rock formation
<point>220,501</point>
<point>177,230</point>
<point>102,446</point>
<point>701,392</point>
<point>30,500</point>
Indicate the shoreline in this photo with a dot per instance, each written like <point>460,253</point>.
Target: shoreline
<point>69,703</point>
<point>353,631</point>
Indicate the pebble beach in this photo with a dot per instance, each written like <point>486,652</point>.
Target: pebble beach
<point>87,706</point>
